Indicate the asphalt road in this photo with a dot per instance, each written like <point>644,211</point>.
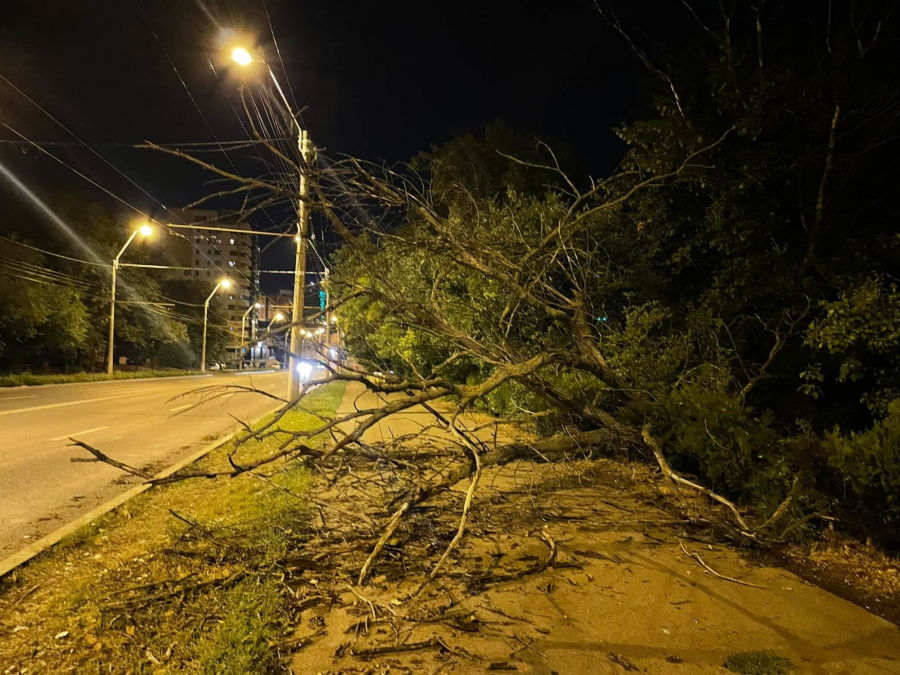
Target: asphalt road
<point>140,422</point>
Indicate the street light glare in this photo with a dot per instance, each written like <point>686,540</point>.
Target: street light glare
<point>145,230</point>
<point>279,317</point>
<point>225,283</point>
<point>241,56</point>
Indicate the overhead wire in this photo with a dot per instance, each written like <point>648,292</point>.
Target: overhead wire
<point>55,255</point>
<point>272,137</point>
<point>278,51</point>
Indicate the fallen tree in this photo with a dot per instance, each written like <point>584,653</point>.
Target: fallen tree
<point>667,310</point>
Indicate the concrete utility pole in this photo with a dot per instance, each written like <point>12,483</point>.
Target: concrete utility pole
<point>327,316</point>
<point>299,269</point>
<point>243,57</point>
<point>145,231</point>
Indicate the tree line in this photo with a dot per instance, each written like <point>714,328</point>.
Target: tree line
<point>54,295</point>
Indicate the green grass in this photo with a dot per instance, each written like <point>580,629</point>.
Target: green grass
<point>757,663</point>
<point>30,380</point>
<point>240,643</point>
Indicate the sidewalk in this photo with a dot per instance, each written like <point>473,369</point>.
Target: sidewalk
<point>620,594</point>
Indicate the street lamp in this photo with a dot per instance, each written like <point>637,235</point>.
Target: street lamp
<point>224,283</point>
<point>255,305</point>
<point>145,231</point>
<point>244,58</point>
<point>280,317</point>
<point>241,56</point>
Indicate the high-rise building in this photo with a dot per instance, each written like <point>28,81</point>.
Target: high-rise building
<point>215,249</point>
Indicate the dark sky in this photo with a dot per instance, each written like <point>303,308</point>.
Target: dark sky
<point>380,79</point>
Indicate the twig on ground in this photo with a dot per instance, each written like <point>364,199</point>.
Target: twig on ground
<point>696,556</point>
<point>364,599</point>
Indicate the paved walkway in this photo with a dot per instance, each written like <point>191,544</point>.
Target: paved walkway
<point>634,601</point>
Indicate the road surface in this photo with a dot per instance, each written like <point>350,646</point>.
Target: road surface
<point>135,421</point>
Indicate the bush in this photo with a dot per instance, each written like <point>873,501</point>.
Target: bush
<point>868,463</point>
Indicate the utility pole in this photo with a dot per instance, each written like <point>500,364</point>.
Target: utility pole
<point>327,316</point>
<point>243,57</point>
<point>299,269</point>
<point>112,316</point>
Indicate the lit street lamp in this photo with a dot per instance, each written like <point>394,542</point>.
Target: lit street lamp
<point>255,305</point>
<point>241,56</point>
<point>224,283</point>
<point>144,231</point>
<point>244,58</point>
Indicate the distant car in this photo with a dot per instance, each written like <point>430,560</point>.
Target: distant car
<point>213,365</point>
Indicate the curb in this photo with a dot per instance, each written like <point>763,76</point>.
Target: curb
<point>34,549</point>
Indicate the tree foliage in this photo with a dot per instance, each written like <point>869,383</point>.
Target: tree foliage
<point>718,303</point>
<point>724,285</point>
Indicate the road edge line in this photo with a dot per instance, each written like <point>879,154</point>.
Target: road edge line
<point>34,549</point>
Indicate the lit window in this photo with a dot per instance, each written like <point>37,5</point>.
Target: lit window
<point>231,241</point>
<point>231,263</point>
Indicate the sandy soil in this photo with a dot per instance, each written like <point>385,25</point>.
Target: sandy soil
<point>619,593</point>
<point>620,596</point>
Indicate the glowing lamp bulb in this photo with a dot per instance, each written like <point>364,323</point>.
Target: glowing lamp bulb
<point>241,56</point>
<point>145,230</point>
<point>225,283</point>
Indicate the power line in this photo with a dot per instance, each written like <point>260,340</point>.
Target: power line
<point>78,138</point>
<point>106,161</point>
<point>56,255</point>
<point>79,173</point>
<point>278,51</point>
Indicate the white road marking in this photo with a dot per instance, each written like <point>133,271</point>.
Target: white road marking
<point>68,403</point>
<point>78,433</point>
<point>182,407</point>
<point>14,398</point>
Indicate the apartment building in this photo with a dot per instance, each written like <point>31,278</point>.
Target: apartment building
<point>213,249</point>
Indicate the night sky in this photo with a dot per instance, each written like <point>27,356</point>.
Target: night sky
<point>381,80</point>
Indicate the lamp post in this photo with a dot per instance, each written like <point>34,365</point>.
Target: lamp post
<point>255,305</point>
<point>144,231</point>
<point>279,317</point>
<point>243,57</point>
<point>224,283</point>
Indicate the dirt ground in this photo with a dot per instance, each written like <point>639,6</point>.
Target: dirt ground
<point>620,596</point>
<point>571,568</point>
